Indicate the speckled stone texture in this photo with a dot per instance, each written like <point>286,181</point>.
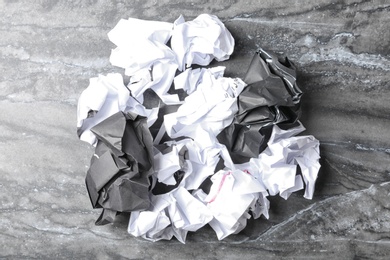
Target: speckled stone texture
<point>50,48</point>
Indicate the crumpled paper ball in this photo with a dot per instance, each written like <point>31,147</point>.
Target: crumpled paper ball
<point>271,98</point>
<point>200,41</point>
<point>118,179</point>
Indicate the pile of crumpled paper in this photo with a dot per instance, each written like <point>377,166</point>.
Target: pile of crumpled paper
<point>181,146</point>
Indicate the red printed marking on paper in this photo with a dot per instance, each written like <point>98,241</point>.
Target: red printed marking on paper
<point>220,186</point>
<point>247,172</point>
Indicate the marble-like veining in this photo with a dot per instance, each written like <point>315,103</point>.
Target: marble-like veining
<point>50,49</point>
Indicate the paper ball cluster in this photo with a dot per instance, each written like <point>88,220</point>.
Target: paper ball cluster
<point>211,153</point>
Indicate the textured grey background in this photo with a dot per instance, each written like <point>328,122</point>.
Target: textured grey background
<point>50,48</point>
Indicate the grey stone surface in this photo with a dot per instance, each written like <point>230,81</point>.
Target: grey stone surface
<point>50,48</point>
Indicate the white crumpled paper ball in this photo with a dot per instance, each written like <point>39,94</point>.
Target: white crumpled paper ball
<point>201,40</point>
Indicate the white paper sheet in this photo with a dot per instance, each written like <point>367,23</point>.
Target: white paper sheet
<point>171,214</point>
<point>165,165</point>
<point>262,204</point>
<point>230,198</point>
<point>105,94</point>
<point>189,79</point>
<point>143,53</point>
<point>134,106</point>
<point>151,224</point>
<point>223,231</point>
<point>200,41</point>
<point>126,32</point>
<point>210,107</point>
<point>277,164</point>
<point>199,165</point>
